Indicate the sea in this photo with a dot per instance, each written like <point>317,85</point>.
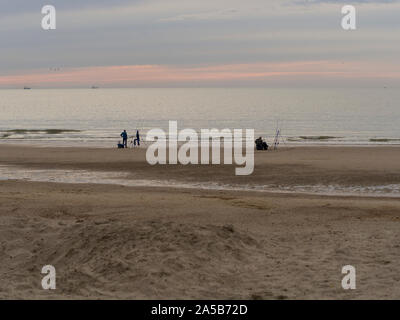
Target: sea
<point>96,117</point>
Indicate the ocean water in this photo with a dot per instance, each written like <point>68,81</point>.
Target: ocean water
<point>96,117</point>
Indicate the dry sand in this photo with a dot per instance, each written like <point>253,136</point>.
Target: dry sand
<point>109,241</point>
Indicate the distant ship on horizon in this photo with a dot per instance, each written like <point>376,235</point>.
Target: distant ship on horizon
<point>27,88</point>
<point>94,87</point>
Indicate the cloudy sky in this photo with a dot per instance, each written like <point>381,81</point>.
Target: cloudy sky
<point>179,43</point>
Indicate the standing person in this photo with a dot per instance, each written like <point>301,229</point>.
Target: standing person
<point>124,136</point>
<point>137,138</point>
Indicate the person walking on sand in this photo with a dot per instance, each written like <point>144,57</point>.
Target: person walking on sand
<point>137,140</point>
<point>124,136</point>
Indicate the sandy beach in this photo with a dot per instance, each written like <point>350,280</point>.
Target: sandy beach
<point>109,241</point>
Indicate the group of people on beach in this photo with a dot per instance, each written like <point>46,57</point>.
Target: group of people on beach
<point>124,136</point>
<point>260,143</point>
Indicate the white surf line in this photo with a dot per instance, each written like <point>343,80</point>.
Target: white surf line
<point>119,178</point>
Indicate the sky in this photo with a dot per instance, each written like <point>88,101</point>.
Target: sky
<point>207,43</point>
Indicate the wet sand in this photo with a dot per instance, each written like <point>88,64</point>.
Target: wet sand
<point>109,241</point>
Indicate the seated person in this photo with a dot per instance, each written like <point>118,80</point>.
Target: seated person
<point>260,144</point>
<point>120,145</point>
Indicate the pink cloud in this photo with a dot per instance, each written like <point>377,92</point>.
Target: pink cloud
<point>152,74</point>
